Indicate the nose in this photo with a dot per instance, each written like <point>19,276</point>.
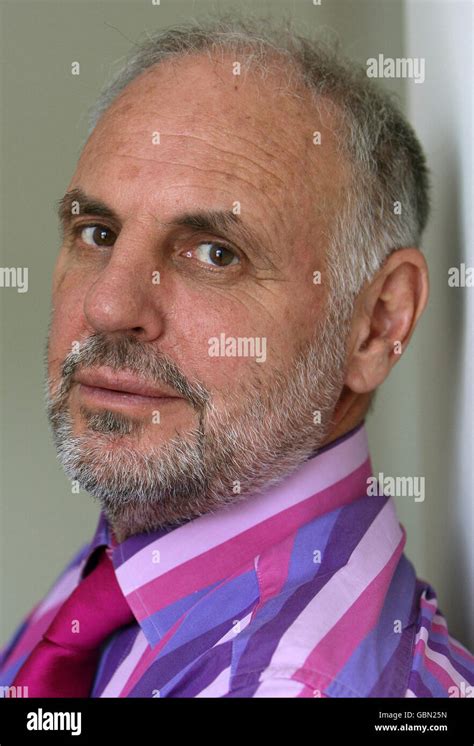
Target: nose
<point>124,296</point>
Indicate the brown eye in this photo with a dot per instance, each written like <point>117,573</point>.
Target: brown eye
<point>97,236</point>
<point>216,254</point>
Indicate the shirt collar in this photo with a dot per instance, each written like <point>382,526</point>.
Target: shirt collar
<point>166,567</point>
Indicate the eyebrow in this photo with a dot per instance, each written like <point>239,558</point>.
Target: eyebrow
<point>218,222</point>
<point>87,205</point>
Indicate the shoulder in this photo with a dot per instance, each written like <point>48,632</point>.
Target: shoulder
<point>28,632</point>
<point>441,666</point>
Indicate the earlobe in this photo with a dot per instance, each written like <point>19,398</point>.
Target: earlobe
<point>369,366</point>
<point>385,318</point>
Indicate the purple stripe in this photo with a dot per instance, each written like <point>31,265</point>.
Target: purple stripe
<point>445,650</point>
<point>442,639</point>
<point>417,685</point>
<point>207,609</point>
<point>203,673</point>
<point>113,655</point>
<point>398,668</point>
<point>393,681</point>
<point>430,680</point>
<point>244,685</point>
<point>158,624</point>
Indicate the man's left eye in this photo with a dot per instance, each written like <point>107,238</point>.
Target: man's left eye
<point>97,236</point>
<point>215,254</point>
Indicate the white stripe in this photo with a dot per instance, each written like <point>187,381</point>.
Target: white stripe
<point>409,693</point>
<point>438,619</point>
<point>445,663</point>
<point>219,686</point>
<point>232,634</point>
<point>422,634</point>
<point>204,533</point>
<point>279,688</point>
<point>369,558</point>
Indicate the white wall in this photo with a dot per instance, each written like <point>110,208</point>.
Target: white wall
<point>442,111</point>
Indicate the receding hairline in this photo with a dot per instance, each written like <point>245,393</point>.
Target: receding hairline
<point>292,83</point>
<point>321,114</point>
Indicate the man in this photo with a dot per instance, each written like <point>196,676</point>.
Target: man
<point>239,273</point>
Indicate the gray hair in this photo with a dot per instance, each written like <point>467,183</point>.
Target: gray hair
<point>385,159</point>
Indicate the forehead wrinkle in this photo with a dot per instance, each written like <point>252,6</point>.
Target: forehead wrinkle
<point>282,153</point>
<point>229,155</point>
<point>292,159</point>
<point>196,168</point>
<point>245,177</point>
<point>266,195</point>
<point>296,169</point>
<point>233,153</point>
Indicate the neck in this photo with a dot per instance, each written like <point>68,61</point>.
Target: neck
<point>349,412</point>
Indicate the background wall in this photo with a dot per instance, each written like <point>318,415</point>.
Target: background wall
<point>422,422</point>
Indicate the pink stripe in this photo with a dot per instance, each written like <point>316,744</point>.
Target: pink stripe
<point>440,628</point>
<point>336,647</point>
<point>272,570</point>
<point>306,693</point>
<point>218,562</point>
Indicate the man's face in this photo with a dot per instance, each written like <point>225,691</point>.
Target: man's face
<point>183,139</point>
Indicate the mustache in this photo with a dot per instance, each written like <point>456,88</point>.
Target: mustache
<point>129,353</point>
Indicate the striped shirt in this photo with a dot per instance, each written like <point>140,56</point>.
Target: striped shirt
<point>301,591</point>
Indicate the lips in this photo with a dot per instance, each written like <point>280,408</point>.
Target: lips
<point>108,382</point>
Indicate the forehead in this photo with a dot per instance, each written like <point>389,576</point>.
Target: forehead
<point>192,123</point>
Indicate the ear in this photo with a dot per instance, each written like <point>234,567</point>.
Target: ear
<point>386,313</point>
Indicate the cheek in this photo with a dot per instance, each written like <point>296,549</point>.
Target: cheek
<point>219,340</point>
<point>67,321</point>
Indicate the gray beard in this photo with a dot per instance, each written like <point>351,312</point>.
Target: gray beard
<point>266,431</point>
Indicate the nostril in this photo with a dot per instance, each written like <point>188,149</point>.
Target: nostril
<point>139,331</point>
